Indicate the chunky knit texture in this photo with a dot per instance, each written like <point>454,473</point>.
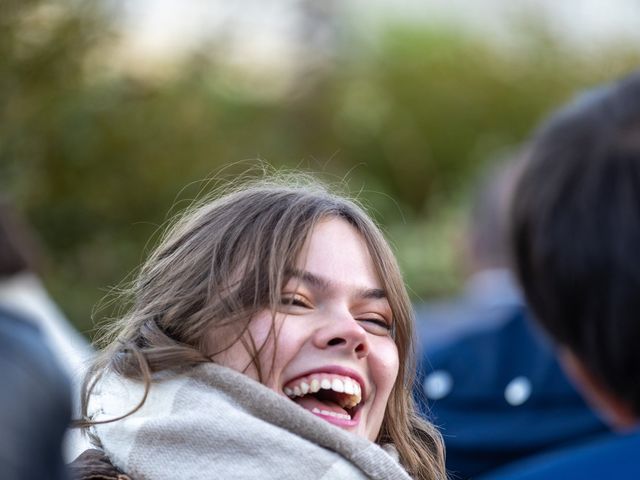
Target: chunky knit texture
<point>217,421</point>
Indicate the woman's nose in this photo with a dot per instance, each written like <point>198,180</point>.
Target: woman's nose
<point>343,332</point>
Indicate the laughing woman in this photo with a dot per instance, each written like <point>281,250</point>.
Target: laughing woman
<point>269,336</point>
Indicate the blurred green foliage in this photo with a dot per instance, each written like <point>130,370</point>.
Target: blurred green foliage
<point>95,157</point>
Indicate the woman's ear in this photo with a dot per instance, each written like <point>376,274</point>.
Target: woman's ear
<point>616,412</point>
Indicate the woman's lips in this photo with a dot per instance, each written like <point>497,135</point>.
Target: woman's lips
<point>334,397</point>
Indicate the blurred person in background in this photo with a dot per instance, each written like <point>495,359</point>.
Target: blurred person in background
<point>22,292</point>
<point>35,404</point>
<point>576,234</point>
<point>491,379</point>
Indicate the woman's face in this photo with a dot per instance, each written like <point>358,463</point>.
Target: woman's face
<point>335,356</point>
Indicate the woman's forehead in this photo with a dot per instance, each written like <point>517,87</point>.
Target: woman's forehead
<point>337,251</point>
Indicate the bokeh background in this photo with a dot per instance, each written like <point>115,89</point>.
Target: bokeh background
<point>114,113</point>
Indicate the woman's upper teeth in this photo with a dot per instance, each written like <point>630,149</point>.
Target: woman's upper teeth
<point>325,381</point>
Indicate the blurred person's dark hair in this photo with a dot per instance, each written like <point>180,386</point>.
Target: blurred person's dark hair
<point>18,250</point>
<point>576,239</point>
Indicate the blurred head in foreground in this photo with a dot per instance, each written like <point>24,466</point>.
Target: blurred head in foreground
<point>576,239</point>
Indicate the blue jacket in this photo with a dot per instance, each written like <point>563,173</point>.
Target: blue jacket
<point>499,395</point>
<point>610,456</point>
<point>35,406</point>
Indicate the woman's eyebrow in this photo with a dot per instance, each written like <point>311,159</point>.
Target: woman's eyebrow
<point>375,293</point>
<point>310,279</point>
<point>325,284</point>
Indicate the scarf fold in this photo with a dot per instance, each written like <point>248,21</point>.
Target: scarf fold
<point>214,422</point>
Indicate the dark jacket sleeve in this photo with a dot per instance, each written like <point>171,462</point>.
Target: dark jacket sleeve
<point>35,403</point>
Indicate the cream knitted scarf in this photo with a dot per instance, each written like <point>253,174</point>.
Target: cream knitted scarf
<point>218,423</point>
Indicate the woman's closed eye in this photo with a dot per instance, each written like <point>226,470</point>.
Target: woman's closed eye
<point>375,324</point>
<point>294,300</point>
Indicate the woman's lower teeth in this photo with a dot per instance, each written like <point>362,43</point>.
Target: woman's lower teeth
<point>343,416</point>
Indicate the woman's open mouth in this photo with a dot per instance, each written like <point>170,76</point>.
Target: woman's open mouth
<point>335,398</point>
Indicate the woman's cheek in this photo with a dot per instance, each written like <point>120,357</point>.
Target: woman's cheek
<point>388,363</point>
